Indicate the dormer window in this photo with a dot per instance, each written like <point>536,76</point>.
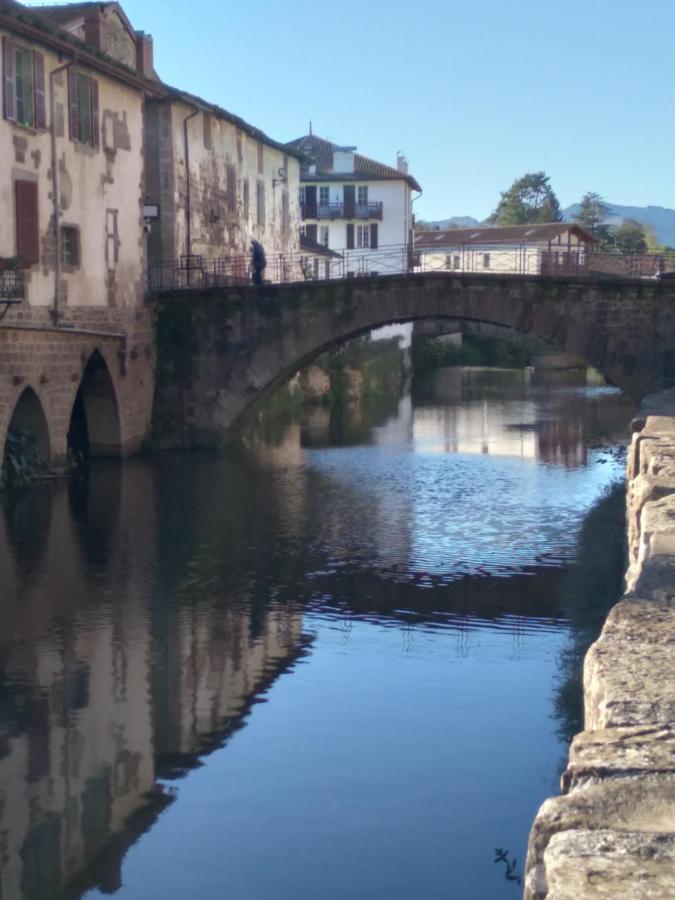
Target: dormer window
<point>24,85</point>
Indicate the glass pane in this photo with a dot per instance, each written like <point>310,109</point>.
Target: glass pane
<point>84,105</point>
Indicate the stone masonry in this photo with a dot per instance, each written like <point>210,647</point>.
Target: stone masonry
<point>612,833</point>
<point>52,361</point>
<point>222,351</point>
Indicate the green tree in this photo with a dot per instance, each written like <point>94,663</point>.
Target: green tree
<point>630,237</point>
<point>592,215</point>
<point>530,200</point>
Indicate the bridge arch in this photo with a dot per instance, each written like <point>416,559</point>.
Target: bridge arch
<point>233,348</point>
<point>28,418</point>
<point>95,428</point>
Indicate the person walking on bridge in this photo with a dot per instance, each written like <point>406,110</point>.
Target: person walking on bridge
<point>258,262</point>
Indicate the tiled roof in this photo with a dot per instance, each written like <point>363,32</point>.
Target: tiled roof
<point>511,234</point>
<point>64,12</point>
<point>311,246</point>
<point>319,153</point>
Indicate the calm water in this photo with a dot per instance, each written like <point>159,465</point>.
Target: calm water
<point>324,669</point>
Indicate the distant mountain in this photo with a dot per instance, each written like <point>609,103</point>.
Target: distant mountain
<point>660,219</point>
<point>454,222</point>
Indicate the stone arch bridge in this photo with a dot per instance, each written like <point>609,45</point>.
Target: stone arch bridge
<point>223,351</point>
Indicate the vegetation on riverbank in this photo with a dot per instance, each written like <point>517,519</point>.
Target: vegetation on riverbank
<point>429,354</point>
<point>22,463</point>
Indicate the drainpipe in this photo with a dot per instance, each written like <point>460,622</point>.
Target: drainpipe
<point>188,232</point>
<point>56,311</point>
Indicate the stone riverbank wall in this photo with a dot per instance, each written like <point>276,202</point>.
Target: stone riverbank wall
<point>612,832</point>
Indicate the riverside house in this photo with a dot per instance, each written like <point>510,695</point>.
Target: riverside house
<point>356,206</point>
<point>555,248</point>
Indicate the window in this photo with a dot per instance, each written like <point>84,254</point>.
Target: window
<point>303,230</point>
<point>260,202</point>
<point>24,85</point>
<point>456,261</point>
<point>486,260</point>
<point>362,195</point>
<point>362,236</point>
<point>208,139</point>
<point>261,160</point>
<point>83,106</point>
<point>285,215</point>
<point>27,222</point>
<point>324,196</point>
<point>70,246</point>
<point>301,195</point>
<point>112,243</point>
<point>323,238</point>
<point>246,197</point>
<point>448,261</point>
<point>231,188</point>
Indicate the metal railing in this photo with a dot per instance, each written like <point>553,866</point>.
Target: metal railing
<point>203,273</point>
<point>341,211</point>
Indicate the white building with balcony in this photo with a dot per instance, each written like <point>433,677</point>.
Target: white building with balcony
<point>360,208</point>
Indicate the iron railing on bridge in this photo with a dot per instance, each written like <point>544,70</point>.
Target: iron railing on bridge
<point>202,273</point>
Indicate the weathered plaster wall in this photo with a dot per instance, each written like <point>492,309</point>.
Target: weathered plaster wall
<point>612,833</point>
<point>93,185</point>
<point>224,172</point>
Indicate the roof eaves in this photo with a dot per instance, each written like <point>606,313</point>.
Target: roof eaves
<point>174,93</point>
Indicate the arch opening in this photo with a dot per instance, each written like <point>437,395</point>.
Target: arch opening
<point>27,452</point>
<point>94,431</point>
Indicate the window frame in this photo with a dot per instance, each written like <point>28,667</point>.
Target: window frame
<point>363,237</point>
<point>68,233</point>
<point>80,112</point>
<point>35,65</point>
<point>324,235</point>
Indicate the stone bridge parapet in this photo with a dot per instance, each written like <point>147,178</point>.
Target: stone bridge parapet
<point>221,352</point>
<point>612,833</point>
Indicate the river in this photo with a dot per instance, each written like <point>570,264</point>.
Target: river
<point>325,667</point>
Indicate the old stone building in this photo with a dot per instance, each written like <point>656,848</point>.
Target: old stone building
<point>76,344</point>
<point>109,168</point>
<point>242,185</point>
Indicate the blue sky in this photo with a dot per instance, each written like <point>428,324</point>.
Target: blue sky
<point>475,94</point>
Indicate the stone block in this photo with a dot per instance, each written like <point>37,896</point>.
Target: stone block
<point>609,752</point>
<point>610,865</point>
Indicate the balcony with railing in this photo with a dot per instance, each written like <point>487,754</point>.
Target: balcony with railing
<point>12,288</point>
<point>341,210</point>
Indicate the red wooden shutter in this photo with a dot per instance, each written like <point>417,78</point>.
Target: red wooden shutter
<point>373,236</point>
<point>8,79</point>
<point>39,82</point>
<point>350,237</point>
<point>27,224</point>
<point>95,130</point>
<point>74,109</point>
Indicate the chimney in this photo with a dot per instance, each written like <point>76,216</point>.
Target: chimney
<point>145,64</point>
<point>401,164</point>
<point>94,23</point>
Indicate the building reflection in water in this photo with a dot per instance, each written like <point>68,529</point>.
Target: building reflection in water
<point>103,681</point>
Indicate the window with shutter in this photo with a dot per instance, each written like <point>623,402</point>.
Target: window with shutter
<point>373,236</point>
<point>27,222</point>
<point>231,188</point>
<point>311,232</point>
<point>83,105</point>
<point>23,73</point>
<point>9,95</point>
<point>246,197</point>
<point>350,237</point>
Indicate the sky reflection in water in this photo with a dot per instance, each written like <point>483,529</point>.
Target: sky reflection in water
<point>394,600</point>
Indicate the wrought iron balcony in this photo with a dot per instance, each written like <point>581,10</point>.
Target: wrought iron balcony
<point>11,284</point>
<point>341,211</point>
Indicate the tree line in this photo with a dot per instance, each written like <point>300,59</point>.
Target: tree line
<point>531,201</point>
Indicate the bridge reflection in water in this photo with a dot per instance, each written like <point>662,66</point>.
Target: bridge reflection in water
<point>102,692</point>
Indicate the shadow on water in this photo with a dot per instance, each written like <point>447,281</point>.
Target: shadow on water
<point>591,588</point>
